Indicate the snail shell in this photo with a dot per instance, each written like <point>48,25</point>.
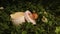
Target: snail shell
<point>28,18</point>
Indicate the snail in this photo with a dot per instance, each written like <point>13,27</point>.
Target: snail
<point>21,17</point>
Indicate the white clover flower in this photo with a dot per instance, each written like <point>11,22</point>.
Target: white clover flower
<point>44,19</point>
<point>45,12</point>
<point>1,7</point>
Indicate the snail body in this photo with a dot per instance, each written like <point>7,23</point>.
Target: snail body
<point>17,18</point>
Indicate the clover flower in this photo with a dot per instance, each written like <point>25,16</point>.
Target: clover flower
<point>44,19</point>
<point>1,7</point>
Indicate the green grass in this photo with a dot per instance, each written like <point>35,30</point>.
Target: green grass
<point>6,26</point>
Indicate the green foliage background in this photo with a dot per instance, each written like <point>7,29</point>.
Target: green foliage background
<point>52,7</point>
